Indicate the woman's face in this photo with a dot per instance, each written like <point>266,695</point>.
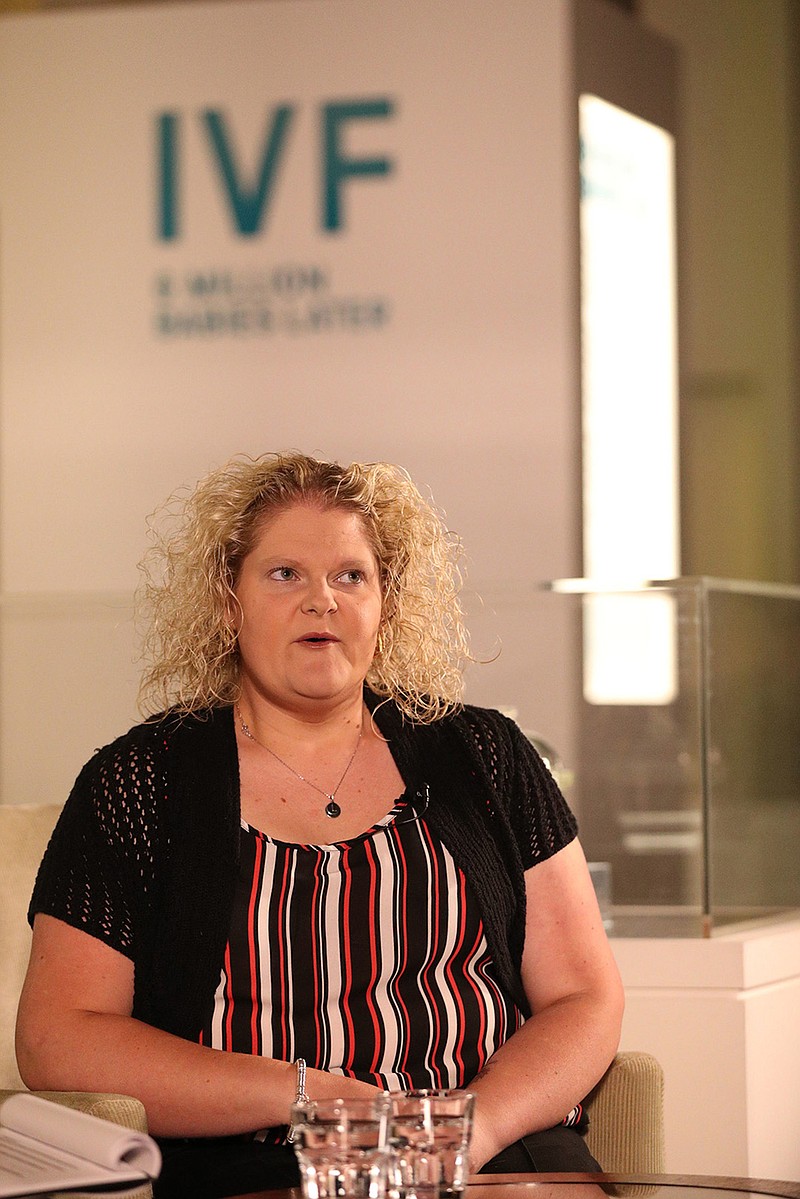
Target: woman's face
<point>310,599</point>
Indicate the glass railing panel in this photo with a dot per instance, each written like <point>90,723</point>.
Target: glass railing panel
<point>753,701</point>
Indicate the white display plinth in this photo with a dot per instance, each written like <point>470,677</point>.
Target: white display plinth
<point>723,1017</point>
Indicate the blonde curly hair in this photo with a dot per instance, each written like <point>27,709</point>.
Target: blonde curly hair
<point>200,541</point>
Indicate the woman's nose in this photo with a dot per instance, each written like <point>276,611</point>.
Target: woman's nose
<point>319,598</point>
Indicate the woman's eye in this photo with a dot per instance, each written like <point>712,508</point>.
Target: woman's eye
<point>283,573</point>
<point>353,576</point>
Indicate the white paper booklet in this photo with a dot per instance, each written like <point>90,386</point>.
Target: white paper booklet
<point>45,1146</point>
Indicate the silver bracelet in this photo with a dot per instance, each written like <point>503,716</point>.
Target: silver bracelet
<point>300,1094</point>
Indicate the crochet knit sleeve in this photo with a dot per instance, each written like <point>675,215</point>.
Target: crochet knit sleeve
<point>540,817</point>
<point>543,820</point>
<point>97,867</point>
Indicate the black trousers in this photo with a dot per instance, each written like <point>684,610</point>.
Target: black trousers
<point>557,1150</point>
<point>210,1168</point>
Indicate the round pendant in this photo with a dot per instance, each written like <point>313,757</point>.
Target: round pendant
<point>332,809</point>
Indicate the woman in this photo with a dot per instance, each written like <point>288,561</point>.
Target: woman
<point>316,852</point>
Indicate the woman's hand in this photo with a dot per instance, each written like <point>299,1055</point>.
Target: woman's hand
<point>573,986</point>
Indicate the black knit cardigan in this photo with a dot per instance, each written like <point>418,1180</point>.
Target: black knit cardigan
<point>145,854</point>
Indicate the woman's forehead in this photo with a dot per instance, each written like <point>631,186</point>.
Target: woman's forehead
<point>311,523</point>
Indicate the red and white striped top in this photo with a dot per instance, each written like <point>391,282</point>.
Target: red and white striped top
<point>367,958</point>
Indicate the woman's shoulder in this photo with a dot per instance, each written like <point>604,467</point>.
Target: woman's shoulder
<point>468,723</point>
<point>499,744</point>
<point>149,773</point>
<point>483,739</point>
<point>154,738</point>
<point>475,723</point>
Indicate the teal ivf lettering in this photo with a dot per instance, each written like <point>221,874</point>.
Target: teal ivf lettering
<point>248,200</point>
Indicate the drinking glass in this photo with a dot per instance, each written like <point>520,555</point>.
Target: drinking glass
<point>429,1135</point>
<point>342,1147</point>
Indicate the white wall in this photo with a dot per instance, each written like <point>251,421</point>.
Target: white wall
<point>466,244</point>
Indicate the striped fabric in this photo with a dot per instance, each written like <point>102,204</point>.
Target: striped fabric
<point>367,958</point>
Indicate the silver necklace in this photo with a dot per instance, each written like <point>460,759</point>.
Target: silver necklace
<point>332,808</point>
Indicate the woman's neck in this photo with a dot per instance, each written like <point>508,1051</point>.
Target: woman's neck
<point>310,724</point>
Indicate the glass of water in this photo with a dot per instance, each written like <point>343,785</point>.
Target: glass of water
<point>429,1135</point>
<point>342,1147</point>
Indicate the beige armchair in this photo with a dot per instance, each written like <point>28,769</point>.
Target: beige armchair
<point>24,833</point>
<point>626,1132</point>
<point>626,1116</point>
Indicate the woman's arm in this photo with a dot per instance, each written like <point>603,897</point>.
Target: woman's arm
<point>570,977</point>
<point>75,1032</point>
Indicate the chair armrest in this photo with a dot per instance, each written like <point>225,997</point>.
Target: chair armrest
<point>626,1116</point>
<point>119,1109</point>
